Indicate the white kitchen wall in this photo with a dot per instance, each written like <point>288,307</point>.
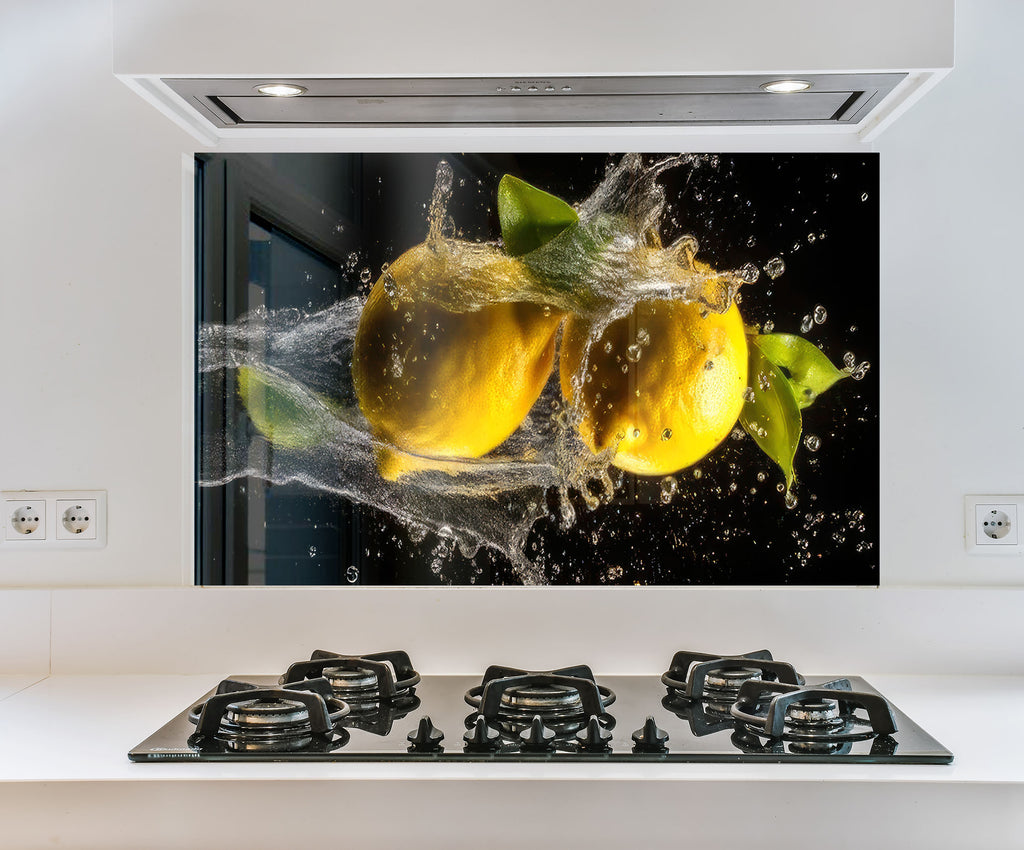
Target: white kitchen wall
<point>91,329</point>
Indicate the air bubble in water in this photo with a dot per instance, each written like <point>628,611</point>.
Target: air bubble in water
<point>812,442</point>
<point>748,395</point>
<point>807,323</point>
<point>312,551</point>
<point>790,500</point>
<point>774,267</point>
<point>864,197</point>
<point>697,473</point>
<point>750,273</point>
<point>768,327</point>
<point>820,314</point>
<point>643,337</point>
<point>666,434</point>
<point>309,276</point>
<point>669,486</point>
<point>795,248</point>
<point>751,242</point>
<point>849,360</point>
<point>709,365</point>
<point>633,353</point>
<point>811,238</point>
<point>761,476</point>
<point>607,349</point>
<point>636,433</point>
<point>365,276</point>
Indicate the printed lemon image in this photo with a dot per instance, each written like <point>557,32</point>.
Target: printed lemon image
<point>434,383</point>
<point>663,385</point>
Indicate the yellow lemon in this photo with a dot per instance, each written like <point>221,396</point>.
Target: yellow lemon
<point>664,384</point>
<point>434,383</point>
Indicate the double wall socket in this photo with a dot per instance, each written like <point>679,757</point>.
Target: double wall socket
<point>992,525</point>
<point>53,519</point>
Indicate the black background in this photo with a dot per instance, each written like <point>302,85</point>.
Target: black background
<point>819,213</point>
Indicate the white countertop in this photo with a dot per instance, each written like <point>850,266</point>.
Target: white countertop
<point>61,750</point>
<point>93,747</point>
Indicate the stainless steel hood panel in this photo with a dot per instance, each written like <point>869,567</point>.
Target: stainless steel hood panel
<point>586,101</point>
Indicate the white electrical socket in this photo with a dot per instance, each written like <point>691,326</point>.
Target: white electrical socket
<point>54,519</point>
<point>991,525</point>
<point>25,519</point>
<point>76,519</point>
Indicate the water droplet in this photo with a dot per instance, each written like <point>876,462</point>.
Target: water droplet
<point>807,323</point>
<point>864,197</point>
<point>774,267</point>
<point>633,353</point>
<point>812,442</point>
<point>750,273</point>
<point>860,371</point>
<point>697,473</point>
<point>365,275</point>
<point>669,486</point>
<point>666,434</point>
<point>643,337</point>
<point>790,500</point>
<point>820,314</point>
<point>768,327</point>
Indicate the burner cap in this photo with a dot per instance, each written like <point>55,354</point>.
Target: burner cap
<point>350,681</point>
<point>546,700</point>
<point>729,678</point>
<point>267,714</point>
<point>820,716</point>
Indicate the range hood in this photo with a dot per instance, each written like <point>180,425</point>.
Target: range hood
<point>647,65</point>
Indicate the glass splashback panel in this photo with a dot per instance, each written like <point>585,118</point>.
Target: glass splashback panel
<point>537,368</point>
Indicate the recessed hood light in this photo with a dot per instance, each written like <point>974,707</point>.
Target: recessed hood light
<point>786,86</point>
<point>280,89</point>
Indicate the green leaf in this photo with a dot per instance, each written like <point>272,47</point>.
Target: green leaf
<point>530,216</point>
<point>773,417</point>
<point>810,372</point>
<point>283,410</point>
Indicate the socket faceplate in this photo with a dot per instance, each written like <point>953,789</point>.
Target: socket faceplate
<point>52,529</point>
<point>991,525</point>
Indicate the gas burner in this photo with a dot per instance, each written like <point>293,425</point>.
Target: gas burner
<point>242,717</point>
<point>364,681</point>
<point>717,679</point>
<point>813,718</point>
<point>563,699</point>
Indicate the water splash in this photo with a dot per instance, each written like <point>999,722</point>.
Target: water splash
<point>598,269</point>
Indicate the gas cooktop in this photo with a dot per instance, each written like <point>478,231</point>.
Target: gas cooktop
<point>705,708</point>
